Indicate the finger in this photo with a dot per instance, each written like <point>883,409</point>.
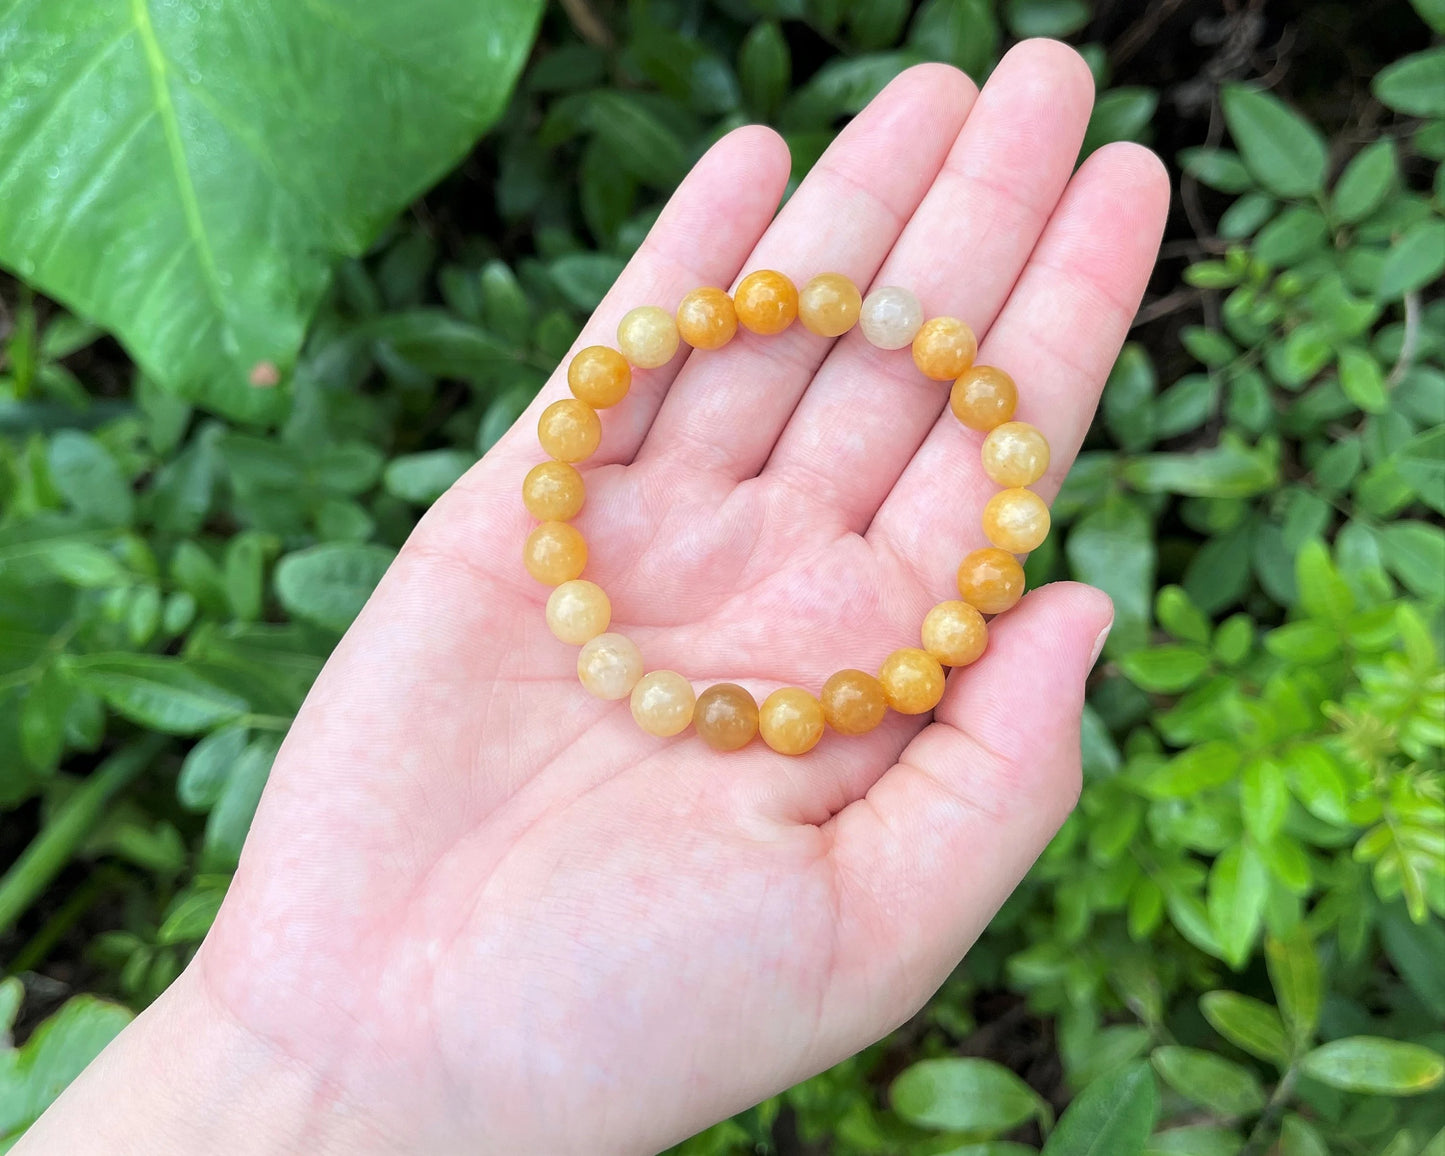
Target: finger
<point>937,844</point>
<point>703,235</point>
<point>726,411</point>
<point>868,410</point>
<point>1058,336</point>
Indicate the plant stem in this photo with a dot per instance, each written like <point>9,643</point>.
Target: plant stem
<point>1264,1127</point>
<point>73,820</point>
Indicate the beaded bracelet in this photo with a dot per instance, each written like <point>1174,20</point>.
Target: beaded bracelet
<point>911,679</point>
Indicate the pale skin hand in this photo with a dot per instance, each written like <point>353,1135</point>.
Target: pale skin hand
<point>480,911</point>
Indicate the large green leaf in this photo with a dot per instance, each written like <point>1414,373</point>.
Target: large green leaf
<point>185,175</point>
<point>1373,1065</point>
<point>1281,148</point>
<point>1113,1116</point>
<point>962,1094</point>
<point>1112,547</point>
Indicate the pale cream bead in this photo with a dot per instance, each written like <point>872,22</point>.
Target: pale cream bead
<point>663,702</point>
<point>609,666</point>
<point>1015,454</point>
<point>648,336</point>
<point>891,317</point>
<point>578,611</point>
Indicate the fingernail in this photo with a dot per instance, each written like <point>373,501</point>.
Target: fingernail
<point>1099,644</point>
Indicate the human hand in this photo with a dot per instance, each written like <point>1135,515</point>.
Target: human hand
<point>481,911</point>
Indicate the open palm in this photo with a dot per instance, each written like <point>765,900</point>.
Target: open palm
<point>483,910</point>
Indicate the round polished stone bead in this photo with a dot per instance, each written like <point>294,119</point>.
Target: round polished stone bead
<point>578,611</point>
<point>726,717</point>
<point>609,666</point>
<point>555,553</point>
<point>791,721</point>
<point>766,302</point>
<point>990,580</point>
<point>553,492</point>
<point>647,336</point>
<point>662,703</point>
<point>1015,454</point>
<point>599,376</point>
<point>944,347</point>
<point>829,304</point>
<point>891,317</point>
<point>954,633</point>
<point>853,702</point>
<point>569,430</point>
<point>912,680</point>
<point>983,397</point>
<point>1016,520</point>
<point>706,319</point>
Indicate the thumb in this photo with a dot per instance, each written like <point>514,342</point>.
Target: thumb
<point>939,842</point>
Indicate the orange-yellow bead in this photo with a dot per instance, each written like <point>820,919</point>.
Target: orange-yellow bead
<point>791,721</point>
<point>609,666</point>
<point>706,319</point>
<point>983,397</point>
<point>662,703</point>
<point>944,347</point>
<point>829,305</point>
<point>553,492</point>
<point>578,611</point>
<point>954,633</point>
<point>766,302</point>
<point>726,717</point>
<point>555,553</point>
<point>647,336</point>
<point>853,702</point>
<point>569,430</point>
<point>990,580</point>
<point>912,680</point>
<point>1015,454</point>
<point>599,376</point>
<point>1016,520</point>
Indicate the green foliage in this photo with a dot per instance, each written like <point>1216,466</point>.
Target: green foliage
<point>1232,946</point>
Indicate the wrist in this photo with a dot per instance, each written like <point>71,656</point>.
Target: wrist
<point>186,1078</point>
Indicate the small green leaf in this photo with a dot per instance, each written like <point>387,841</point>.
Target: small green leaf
<point>230,819</point>
<point>1244,218</point>
<point>1112,547</point>
<point>1250,1024</point>
<point>1165,669</point>
<point>1280,147</point>
<point>1375,1066</point>
<point>1120,114</point>
<point>1196,1140</point>
<point>1055,18</point>
<point>1238,888</point>
<point>1113,1116</point>
<point>1177,614</point>
<point>1299,1138</point>
<point>1294,970</point>
<point>329,584</point>
<point>1218,168</point>
<point>765,68</point>
<point>89,479</point>
<point>423,478</point>
<point>1363,380</point>
<point>1415,553</point>
<point>1263,798</point>
<point>42,718</point>
<point>1198,769</point>
<point>1414,84</point>
<point>1205,1078</point>
<point>190,916</point>
<point>963,1095</point>
<point>1323,593</point>
<point>207,767</point>
<point>1231,470</point>
<point>1127,397</point>
<point>157,692</point>
<point>1414,260</point>
<point>1365,183</point>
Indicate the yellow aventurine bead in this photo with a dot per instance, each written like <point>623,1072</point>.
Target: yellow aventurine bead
<point>726,717</point>
<point>555,553</point>
<point>569,430</point>
<point>1016,520</point>
<point>829,304</point>
<point>706,319</point>
<point>954,633</point>
<point>609,666</point>
<point>599,376</point>
<point>853,702</point>
<point>791,721</point>
<point>553,492</point>
<point>983,397</point>
<point>578,611</point>
<point>990,580</point>
<point>647,336</point>
<point>944,348</point>
<point>766,302</point>
<point>662,703</point>
<point>1015,454</point>
<point>912,680</point>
